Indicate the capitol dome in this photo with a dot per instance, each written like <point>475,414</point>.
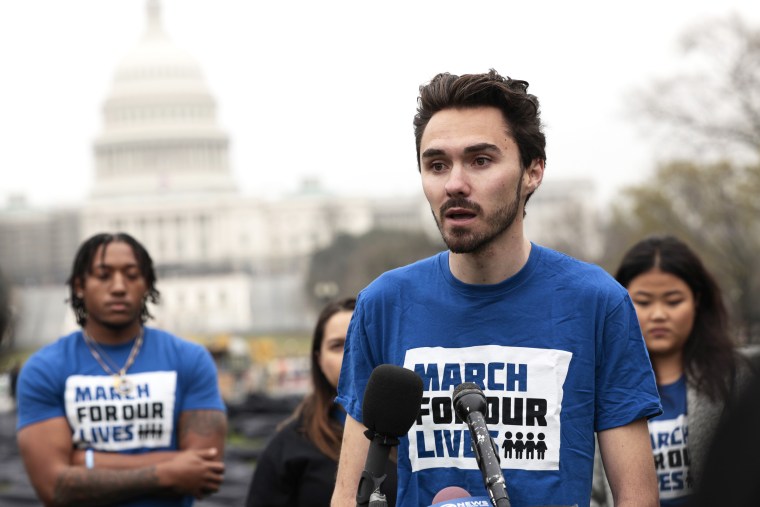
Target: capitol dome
<point>160,134</point>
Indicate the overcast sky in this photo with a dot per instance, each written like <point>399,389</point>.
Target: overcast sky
<point>307,88</point>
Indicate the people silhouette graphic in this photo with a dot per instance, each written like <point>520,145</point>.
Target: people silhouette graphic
<point>519,446</point>
<point>508,444</point>
<point>541,446</point>
<point>530,447</point>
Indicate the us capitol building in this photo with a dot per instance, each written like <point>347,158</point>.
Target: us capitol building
<point>228,263</point>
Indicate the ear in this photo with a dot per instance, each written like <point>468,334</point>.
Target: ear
<point>78,286</point>
<point>533,175</point>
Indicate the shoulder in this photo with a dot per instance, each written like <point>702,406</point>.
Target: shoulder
<point>290,430</point>
<point>564,272</point>
<point>54,355</point>
<point>41,381</point>
<point>165,340</point>
<point>410,275</point>
<point>290,442</point>
<point>192,361</point>
<point>564,266</point>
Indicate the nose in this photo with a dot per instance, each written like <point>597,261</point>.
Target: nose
<point>457,183</point>
<point>658,312</point>
<point>118,283</point>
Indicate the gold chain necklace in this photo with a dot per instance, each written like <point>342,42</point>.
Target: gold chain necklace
<point>121,382</point>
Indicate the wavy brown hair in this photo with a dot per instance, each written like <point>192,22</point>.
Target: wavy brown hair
<point>315,409</point>
<point>519,108</point>
<point>709,357</point>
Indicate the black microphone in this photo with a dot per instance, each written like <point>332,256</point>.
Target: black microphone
<point>470,404</point>
<point>391,403</point>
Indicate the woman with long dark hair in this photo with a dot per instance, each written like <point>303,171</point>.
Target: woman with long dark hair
<point>299,464</point>
<point>685,326</point>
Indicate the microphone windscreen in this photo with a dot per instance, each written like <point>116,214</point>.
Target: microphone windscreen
<point>465,386</point>
<point>467,398</point>
<point>450,493</point>
<point>391,400</point>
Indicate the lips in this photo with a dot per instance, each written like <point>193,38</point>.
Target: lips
<point>459,209</point>
<point>117,306</point>
<point>658,331</point>
<point>460,214</point>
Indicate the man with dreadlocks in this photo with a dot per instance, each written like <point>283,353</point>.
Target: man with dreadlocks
<point>119,413</point>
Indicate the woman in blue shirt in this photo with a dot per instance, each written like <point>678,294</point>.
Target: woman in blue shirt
<point>685,326</point>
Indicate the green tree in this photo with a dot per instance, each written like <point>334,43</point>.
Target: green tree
<point>715,209</point>
<point>350,263</point>
<point>710,106</point>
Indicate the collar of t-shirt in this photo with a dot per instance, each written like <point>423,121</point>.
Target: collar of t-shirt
<point>673,398</point>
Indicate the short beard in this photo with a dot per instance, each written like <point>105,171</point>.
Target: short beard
<point>461,240</point>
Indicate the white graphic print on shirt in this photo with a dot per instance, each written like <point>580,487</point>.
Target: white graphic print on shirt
<point>523,388</point>
<point>104,419</point>
<point>671,457</point>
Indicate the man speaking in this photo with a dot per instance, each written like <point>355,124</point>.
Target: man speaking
<point>553,343</point>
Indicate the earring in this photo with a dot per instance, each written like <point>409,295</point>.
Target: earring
<point>80,295</point>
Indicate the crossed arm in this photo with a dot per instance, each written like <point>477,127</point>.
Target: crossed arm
<point>60,478</point>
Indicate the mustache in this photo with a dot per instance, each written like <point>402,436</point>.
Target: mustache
<point>459,202</point>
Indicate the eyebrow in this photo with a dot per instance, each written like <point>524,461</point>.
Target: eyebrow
<point>103,265</point>
<point>674,292</point>
<point>437,152</point>
<point>432,152</point>
<point>482,147</point>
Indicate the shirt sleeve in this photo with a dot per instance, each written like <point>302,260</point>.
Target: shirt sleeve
<point>39,393</point>
<point>625,385</point>
<point>357,362</point>
<point>201,382</point>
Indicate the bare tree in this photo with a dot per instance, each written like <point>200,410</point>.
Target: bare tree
<point>706,119</point>
<point>711,105</point>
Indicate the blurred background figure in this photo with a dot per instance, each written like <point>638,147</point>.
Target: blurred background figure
<point>5,311</point>
<point>118,413</point>
<point>731,473</point>
<point>299,464</point>
<point>685,325</point>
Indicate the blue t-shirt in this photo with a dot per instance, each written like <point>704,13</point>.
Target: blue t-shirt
<point>556,349</point>
<point>169,376</point>
<point>669,434</point>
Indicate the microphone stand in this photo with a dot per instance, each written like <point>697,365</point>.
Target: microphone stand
<point>495,484</point>
<point>369,494</point>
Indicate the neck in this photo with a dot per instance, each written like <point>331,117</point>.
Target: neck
<point>668,369</point>
<point>495,263</point>
<point>112,335</point>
